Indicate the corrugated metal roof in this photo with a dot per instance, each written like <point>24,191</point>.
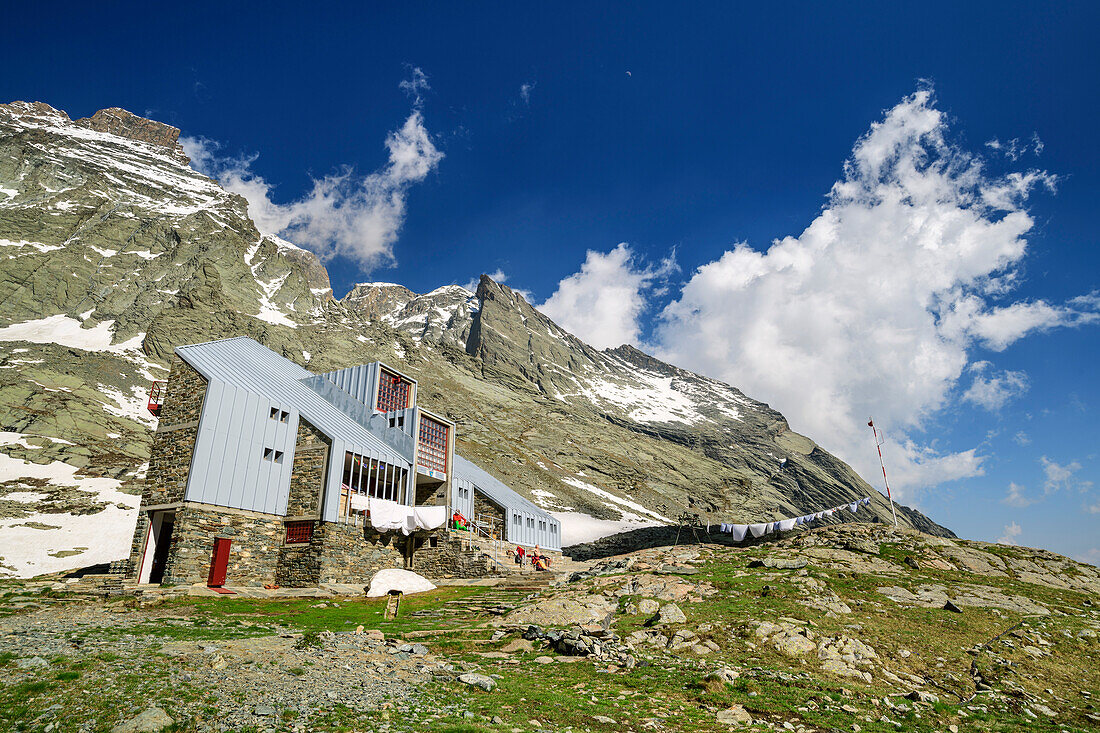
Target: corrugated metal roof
<point>247,364</point>
<point>494,489</point>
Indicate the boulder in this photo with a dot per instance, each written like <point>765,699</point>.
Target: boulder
<point>736,715</point>
<point>648,606</point>
<point>724,674</point>
<point>477,680</point>
<point>405,581</point>
<point>150,719</point>
<point>670,613</point>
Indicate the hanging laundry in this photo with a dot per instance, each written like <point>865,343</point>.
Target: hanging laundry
<point>739,531</point>
<point>759,529</point>
<point>786,525</point>
<point>388,516</point>
<point>853,506</point>
<point>430,517</point>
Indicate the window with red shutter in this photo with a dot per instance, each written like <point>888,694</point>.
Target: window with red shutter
<point>298,532</point>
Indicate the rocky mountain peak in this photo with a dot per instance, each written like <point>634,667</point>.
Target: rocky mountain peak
<point>117,121</point>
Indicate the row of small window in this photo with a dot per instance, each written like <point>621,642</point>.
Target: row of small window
<point>518,521</point>
<point>280,415</point>
<point>275,456</point>
<point>463,493</point>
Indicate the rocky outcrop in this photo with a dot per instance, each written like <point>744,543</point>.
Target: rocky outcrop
<point>118,121</point>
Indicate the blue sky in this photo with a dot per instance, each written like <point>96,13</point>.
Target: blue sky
<point>538,140</point>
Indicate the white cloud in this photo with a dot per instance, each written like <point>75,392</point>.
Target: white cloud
<point>347,215</point>
<point>603,302</point>
<point>1012,531</point>
<point>1091,556</point>
<point>1022,438</point>
<point>993,393</point>
<point>1015,149</point>
<point>877,307</point>
<point>1016,497</point>
<point>415,86</point>
<point>525,90</point>
<point>1060,476</point>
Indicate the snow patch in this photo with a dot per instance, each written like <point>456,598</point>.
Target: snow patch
<point>577,527</point>
<point>619,504</point>
<point>65,331</point>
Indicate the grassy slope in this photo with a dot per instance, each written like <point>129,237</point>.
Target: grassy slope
<point>667,694</point>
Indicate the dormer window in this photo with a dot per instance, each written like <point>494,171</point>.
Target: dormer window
<point>280,415</point>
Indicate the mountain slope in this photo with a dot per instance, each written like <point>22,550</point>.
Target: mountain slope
<point>113,251</point>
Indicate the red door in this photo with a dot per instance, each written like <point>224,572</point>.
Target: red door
<point>219,563</point>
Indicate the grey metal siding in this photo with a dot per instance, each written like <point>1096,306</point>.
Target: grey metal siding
<point>229,467</point>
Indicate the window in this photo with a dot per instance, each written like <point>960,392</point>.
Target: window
<point>370,476</point>
<point>270,454</point>
<point>278,456</point>
<point>298,532</point>
<point>393,392</point>
<point>280,415</point>
<point>432,454</point>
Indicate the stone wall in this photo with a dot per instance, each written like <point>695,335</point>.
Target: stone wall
<point>449,559</point>
<point>299,565</point>
<point>174,441</point>
<point>307,476</point>
<point>253,555</point>
<point>352,554</point>
<point>485,505</point>
<point>432,494</point>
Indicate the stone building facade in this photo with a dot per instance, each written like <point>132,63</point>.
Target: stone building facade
<point>245,482</point>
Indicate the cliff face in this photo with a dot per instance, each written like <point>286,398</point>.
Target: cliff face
<point>113,252</point>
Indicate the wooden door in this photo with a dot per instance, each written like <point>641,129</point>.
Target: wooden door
<point>219,563</point>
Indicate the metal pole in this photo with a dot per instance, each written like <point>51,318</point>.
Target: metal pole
<point>878,446</point>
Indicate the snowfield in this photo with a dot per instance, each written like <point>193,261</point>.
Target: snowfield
<point>75,541</point>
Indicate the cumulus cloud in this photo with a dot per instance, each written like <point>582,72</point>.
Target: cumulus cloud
<point>994,392</point>
<point>602,304</point>
<point>1016,496</point>
<point>1012,531</point>
<point>343,214</point>
<point>1061,476</point>
<point>879,305</point>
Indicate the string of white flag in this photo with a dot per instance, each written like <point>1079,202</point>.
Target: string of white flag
<point>759,529</point>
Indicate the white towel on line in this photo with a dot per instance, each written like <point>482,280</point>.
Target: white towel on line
<point>758,529</point>
<point>430,517</point>
<point>739,531</point>
<point>785,525</point>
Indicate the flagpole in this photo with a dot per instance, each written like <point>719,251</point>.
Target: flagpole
<point>878,446</point>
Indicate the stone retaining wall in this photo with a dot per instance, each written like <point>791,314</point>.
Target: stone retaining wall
<point>449,559</point>
<point>352,554</point>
